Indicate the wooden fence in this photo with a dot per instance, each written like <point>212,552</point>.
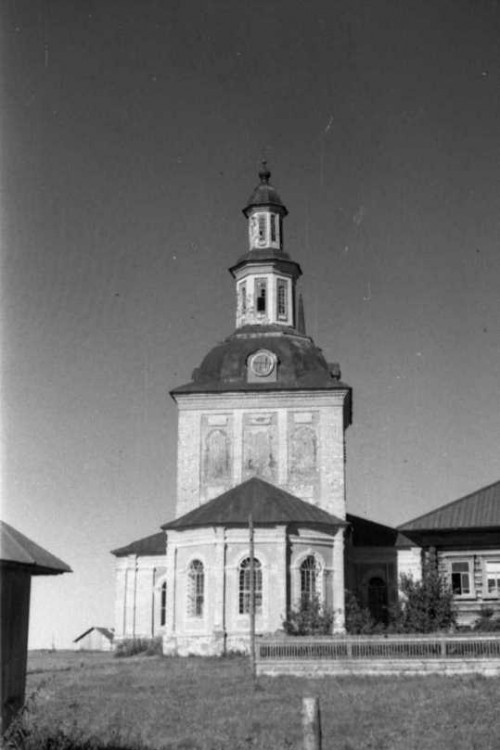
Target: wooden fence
<point>449,654</point>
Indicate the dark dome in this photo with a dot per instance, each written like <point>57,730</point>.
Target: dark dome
<point>264,194</point>
<point>300,363</point>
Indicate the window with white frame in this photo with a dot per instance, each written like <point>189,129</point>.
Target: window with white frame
<point>492,573</point>
<point>282,299</point>
<point>260,295</point>
<point>309,573</point>
<point>196,589</point>
<point>261,231</point>
<point>245,586</point>
<point>461,577</point>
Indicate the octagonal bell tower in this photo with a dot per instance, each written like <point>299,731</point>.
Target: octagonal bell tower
<point>265,275</point>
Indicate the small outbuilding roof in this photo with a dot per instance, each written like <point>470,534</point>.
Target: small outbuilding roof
<point>106,632</point>
<point>479,510</point>
<point>148,545</point>
<point>268,504</point>
<point>17,549</point>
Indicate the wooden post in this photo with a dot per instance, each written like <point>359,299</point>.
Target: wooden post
<point>252,596</point>
<point>311,723</point>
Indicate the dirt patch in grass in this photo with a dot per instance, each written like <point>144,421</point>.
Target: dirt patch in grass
<point>213,704</point>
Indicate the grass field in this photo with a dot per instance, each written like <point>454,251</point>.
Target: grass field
<point>194,703</point>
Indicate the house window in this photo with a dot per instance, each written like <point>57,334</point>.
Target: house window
<point>281,299</point>
<point>163,603</point>
<point>460,578</point>
<point>244,588</point>
<point>196,585</point>
<point>260,295</point>
<point>492,568</point>
<point>309,571</point>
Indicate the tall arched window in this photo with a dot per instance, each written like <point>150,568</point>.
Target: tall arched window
<point>163,603</point>
<point>244,588</point>
<point>309,571</point>
<point>196,586</point>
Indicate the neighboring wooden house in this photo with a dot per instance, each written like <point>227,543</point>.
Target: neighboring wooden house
<point>20,558</point>
<point>95,639</point>
<point>465,535</point>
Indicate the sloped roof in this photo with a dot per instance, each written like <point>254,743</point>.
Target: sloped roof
<point>17,549</point>
<point>479,510</point>
<point>148,545</point>
<point>106,632</point>
<point>269,505</point>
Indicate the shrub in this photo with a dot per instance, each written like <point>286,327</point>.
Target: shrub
<point>486,622</point>
<point>310,618</point>
<point>426,605</point>
<point>358,619</point>
<point>134,646</point>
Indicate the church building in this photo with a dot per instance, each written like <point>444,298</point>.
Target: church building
<point>261,433</point>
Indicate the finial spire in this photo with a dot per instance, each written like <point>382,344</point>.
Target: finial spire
<point>264,173</point>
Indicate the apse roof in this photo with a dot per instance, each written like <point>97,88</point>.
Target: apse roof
<point>480,509</point>
<point>17,549</point>
<point>267,503</point>
<point>148,545</point>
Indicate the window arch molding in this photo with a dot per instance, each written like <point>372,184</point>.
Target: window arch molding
<point>195,572</point>
<point>298,578</point>
<point>243,583</point>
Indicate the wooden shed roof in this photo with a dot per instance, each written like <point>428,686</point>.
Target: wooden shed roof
<point>16,549</point>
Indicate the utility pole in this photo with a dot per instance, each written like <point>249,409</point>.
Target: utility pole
<point>252,596</point>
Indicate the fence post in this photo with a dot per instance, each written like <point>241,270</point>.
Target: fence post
<point>311,723</point>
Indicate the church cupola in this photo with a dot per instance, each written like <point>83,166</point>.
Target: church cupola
<point>265,212</point>
<point>265,276</point>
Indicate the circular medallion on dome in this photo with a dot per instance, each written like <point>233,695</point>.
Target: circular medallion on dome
<point>262,363</point>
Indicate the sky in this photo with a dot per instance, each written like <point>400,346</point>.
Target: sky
<point>131,137</point>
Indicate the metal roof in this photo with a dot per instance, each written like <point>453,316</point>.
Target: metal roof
<point>269,505</point>
<point>479,510</point>
<point>156,544</point>
<point>17,549</point>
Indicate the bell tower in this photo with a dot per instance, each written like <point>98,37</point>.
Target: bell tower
<point>265,275</point>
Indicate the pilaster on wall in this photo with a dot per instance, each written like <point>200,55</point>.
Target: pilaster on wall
<point>219,574</point>
<point>338,582</point>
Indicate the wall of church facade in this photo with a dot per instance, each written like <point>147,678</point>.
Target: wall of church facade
<point>293,440</point>
<point>215,617</point>
<point>138,600</point>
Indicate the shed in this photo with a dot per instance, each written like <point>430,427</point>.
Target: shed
<point>95,639</point>
<point>20,558</point>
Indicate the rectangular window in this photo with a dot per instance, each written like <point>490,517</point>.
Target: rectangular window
<point>243,297</point>
<point>281,298</point>
<point>492,568</point>
<point>260,295</point>
<point>274,220</point>
<point>262,228</point>
<point>460,578</point>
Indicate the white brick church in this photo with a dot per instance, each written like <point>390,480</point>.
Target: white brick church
<point>261,431</point>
